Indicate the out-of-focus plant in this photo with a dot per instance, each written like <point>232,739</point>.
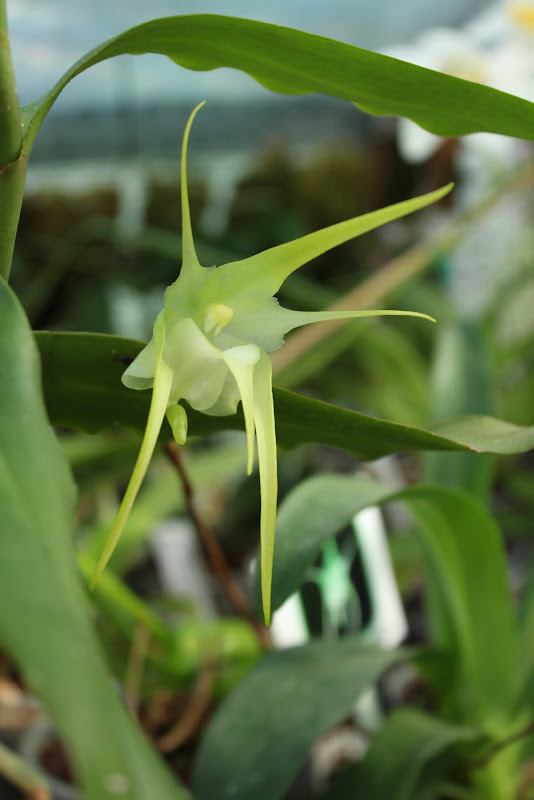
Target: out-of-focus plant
<point>259,738</point>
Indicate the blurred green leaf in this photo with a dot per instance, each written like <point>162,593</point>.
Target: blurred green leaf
<point>83,390</point>
<point>182,650</point>
<point>162,497</point>
<point>470,611</point>
<point>389,359</point>
<point>461,384</point>
<point>526,627</point>
<point>47,629</point>
<point>315,510</point>
<point>466,553</point>
<point>409,758</point>
<point>293,62</point>
<point>261,735</point>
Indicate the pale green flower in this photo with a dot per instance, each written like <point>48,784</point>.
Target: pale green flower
<point>210,348</point>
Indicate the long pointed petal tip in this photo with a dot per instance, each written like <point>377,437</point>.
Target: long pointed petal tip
<point>385,313</point>
<point>189,252</point>
<point>190,123</point>
<point>267,614</point>
<point>422,316</point>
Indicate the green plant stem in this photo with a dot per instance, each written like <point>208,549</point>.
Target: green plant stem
<point>12,161</point>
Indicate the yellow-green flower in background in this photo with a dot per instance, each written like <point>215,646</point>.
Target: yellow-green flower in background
<point>210,348</point>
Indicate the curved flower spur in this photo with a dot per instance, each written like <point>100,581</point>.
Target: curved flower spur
<point>210,348</point>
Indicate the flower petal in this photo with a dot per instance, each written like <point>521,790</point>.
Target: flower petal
<point>140,373</point>
<point>192,274</point>
<point>241,362</point>
<point>158,406</point>
<point>247,284</point>
<point>190,261</point>
<point>266,438</point>
<point>295,319</point>
<point>228,400</point>
<point>199,369</point>
<point>268,326</point>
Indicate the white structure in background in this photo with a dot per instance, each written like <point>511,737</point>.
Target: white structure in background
<point>223,173</point>
<point>388,626</point>
<point>497,49</point>
<point>444,50</point>
<point>181,565</point>
<point>288,625</point>
<point>132,311</point>
<point>129,180</point>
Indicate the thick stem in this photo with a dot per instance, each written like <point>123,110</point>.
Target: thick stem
<point>12,162</point>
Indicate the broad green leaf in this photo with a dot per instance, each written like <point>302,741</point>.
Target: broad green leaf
<point>261,735</point>
<point>83,390</point>
<point>410,745</point>
<point>45,625</point>
<point>461,384</point>
<point>293,62</point>
<point>473,622</point>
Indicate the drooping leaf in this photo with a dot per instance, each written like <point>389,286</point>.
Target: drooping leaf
<point>473,620</point>
<point>83,390</point>
<point>45,624</point>
<point>409,747</point>
<point>262,733</point>
<point>293,62</point>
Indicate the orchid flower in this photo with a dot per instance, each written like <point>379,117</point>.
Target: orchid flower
<point>495,48</point>
<point>210,348</point>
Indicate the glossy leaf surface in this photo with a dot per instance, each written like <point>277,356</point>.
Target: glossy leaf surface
<point>261,735</point>
<point>293,62</point>
<point>83,390</point>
